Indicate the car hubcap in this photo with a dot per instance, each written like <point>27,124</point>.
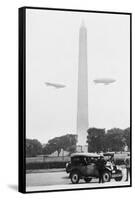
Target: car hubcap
<point>106,177</point>
<point>75,177</point>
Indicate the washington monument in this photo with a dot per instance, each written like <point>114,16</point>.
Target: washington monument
<point>82,106</point>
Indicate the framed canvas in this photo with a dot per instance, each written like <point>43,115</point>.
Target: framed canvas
<point>74,99</point>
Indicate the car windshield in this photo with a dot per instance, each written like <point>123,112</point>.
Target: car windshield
<point>108,157</point>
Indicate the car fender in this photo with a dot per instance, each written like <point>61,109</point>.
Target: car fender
<point>108,169</point>
<point>75,170</point>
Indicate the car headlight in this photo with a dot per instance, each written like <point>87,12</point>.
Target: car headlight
<point>66,164</point>
<point>118,167</point>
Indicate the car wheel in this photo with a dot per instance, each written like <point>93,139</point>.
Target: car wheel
<point>87,180</point>
<point>106,176</point>
<point>118,178</point>
<point>75,177</point>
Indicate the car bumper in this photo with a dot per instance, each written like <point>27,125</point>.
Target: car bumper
<point>116,174</point>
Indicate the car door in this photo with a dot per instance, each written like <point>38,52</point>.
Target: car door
<point>91,168</point>
<point>83,166</point>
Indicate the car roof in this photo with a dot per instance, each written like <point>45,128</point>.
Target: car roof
<point>85,155</point>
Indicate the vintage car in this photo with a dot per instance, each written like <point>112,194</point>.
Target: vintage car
<point>83,166</point>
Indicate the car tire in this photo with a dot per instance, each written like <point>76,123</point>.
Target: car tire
<point>106,176</point>
<point>87,180</point>
<point>75,177</point>
<point>118,178</point>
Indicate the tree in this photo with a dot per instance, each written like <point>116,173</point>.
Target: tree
<point>115,140</point>
<point>33,147</point>
<point>96,140</point>
<point>71,149</point>
<point>65,142</point>
<point>126,135</point>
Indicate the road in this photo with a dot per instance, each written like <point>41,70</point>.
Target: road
<point>59,180</point>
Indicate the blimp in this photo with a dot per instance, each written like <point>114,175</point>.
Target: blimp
<point>55,85</point>
<point>105,81</point>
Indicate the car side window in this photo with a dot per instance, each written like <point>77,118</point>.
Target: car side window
<point>94,160</point>
<point>83,160</point>
<point>88,160</point>
<point>77,161</point>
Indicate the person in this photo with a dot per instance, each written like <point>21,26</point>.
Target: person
<point>101,166</point>
<point>127,163</point>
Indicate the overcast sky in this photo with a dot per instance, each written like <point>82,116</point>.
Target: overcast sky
<point>52,56</point>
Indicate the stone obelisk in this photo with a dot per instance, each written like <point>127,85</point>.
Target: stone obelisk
<point>82,107</point>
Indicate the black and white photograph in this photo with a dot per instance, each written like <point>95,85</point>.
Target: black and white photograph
<point>75,99</point>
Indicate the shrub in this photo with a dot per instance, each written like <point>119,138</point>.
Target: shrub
<point>45,165</point>
<point>119,161</point>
